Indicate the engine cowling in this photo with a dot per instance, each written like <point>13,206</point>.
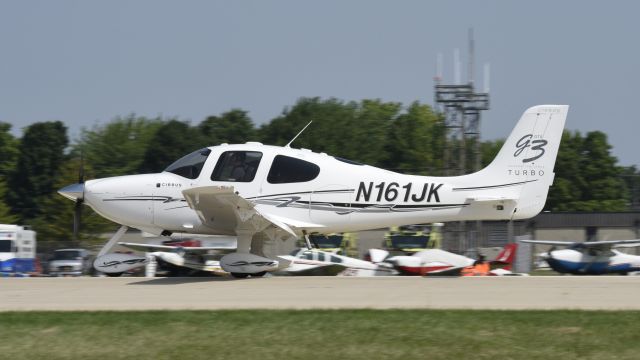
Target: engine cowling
<point>119,263</point>
<point>247,263</point>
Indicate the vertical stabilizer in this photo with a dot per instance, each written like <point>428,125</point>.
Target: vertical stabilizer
<point>507,256</point>
<point>523,169</point>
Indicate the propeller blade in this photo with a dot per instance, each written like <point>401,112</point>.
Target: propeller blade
<point>81,170</point>
<point>77,211</point>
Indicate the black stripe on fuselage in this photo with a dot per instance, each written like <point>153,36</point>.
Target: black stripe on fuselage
<point>493,186</point>
<point>357,207</point>
<point>165,199</point>
<point>304,192</point>
<point>361,206</point>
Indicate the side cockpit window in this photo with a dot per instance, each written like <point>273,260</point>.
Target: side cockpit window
<point>237,166</point>
<point>189,166</point>
<point>287,169</point>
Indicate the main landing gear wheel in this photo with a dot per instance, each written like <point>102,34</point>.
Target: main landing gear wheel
<point>113,274</point>
<point>245,275</point>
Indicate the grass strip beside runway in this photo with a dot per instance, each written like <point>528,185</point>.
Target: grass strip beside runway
<point>313,334</point>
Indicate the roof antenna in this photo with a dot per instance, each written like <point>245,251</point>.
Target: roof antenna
<point>295,137</point>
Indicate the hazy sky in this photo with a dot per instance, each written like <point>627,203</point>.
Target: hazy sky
<point>85,62</point>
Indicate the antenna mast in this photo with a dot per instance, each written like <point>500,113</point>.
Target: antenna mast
<point>295,137</point>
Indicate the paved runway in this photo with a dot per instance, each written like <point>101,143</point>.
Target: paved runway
<point>547,292</point>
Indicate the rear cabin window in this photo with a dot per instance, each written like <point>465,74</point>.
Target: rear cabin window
<point>287,169</point>
<point>237,166</point>
<point>190,165</point>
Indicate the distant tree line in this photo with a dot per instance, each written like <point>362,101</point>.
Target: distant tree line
<point>406,139</point>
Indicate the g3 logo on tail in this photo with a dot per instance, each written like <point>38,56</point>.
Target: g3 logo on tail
<point>525,142</point>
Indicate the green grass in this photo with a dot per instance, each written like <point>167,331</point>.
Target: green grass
<point>317,334</point>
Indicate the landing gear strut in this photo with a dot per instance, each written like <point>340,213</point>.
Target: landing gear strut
<point>243,263</point>
<point>306,239</point>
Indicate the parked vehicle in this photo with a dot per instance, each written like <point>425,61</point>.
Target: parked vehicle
<point>345,244</point>
<point>408,240</point>
<point>17,249</point>
<point>70,262</point>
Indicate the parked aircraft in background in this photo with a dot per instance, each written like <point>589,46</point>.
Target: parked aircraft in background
<point>269,193</point>
<point>317,262</point>
<point>440,262</point>
<point>180,257</point>
<point>196,258</point>
<point>590,257</point>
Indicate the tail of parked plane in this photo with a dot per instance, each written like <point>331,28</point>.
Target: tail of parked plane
<point>522,171</point>
<point>507,256</point>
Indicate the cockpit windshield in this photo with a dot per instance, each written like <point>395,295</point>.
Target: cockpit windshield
<point>327,241</point>
<point>189,166</point>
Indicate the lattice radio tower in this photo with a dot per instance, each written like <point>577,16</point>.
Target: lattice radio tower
<point>461,107</point>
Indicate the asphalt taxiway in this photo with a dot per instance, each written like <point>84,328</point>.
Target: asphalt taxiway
<point>546,292</point>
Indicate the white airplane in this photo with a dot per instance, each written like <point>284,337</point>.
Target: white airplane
<point>440,262</point>
<point>265,193</point>
<point>184,255</point>
<point>590,257</point>
<point>316,262</point>
<point>198,258</point>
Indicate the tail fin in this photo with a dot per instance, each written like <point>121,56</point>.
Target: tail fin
<point>377,255</point>
<point>523,168</point>
<point>507,256</point>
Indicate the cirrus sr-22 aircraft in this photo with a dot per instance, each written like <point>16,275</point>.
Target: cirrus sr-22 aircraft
<point>590,257</point>
<point>260,192</point>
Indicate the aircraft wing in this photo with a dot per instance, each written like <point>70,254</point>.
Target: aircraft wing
<point>452,271</point>
<point>223,209</point>
<point>621,243</point>
<point>303,267</point>
<point>628,245</point>
<point>169,248</point>
<point>549,242</point>
<point>320,270</point>
<point>599,244</point>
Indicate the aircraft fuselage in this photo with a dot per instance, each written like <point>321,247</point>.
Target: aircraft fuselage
<point>343,196</point>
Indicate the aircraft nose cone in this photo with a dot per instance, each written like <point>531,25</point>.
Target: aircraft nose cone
<point>73,192</point>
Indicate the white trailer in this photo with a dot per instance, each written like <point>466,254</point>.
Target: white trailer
<point>17,249</point>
